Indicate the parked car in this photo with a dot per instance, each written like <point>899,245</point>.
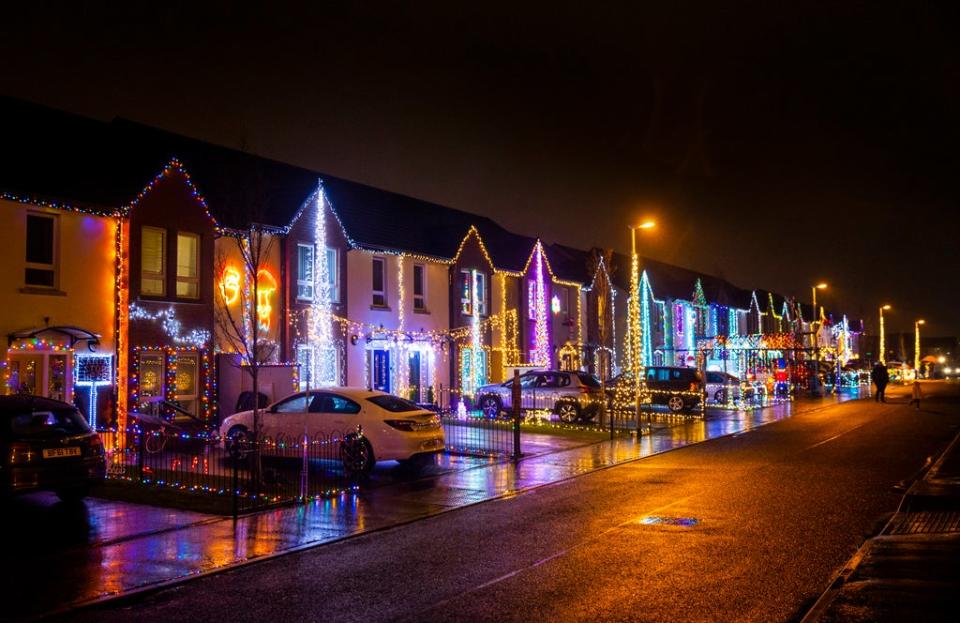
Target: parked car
<point>392,428</point>
<point>722,387</point>
<point>47,445</point>
<point>571,396</point>
<point>665,384</point>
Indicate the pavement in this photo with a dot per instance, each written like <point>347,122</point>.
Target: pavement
<point>105,549</point>
<point>746,527</point>
<point>910,571</point>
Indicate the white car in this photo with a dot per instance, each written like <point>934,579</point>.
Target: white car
<point>392,428</point>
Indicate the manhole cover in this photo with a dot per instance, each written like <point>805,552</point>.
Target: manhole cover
<point>682,522</point>
<point>927,522</point>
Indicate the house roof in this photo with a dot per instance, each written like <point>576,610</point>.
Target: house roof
<point>381,220</point>
<point>52,156</point>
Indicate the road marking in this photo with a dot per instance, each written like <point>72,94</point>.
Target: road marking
<point>829,439</point>
<point>553,556</point>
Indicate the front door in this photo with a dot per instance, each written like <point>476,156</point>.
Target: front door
<point>45,374</point>
<point>380,370</point>
<point>414,376</point>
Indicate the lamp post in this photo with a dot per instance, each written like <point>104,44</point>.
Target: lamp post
<point>635,329</point>
<point>916,346</point>
<point>819,286</point>
<point>816,316</point>
<point>883,346</point>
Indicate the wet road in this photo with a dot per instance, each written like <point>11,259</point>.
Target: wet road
<point>748,527</point>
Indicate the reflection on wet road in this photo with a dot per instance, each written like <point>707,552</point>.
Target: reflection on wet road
<point>103,548</point>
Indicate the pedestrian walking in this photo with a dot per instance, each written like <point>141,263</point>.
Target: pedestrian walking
<point>917,394</point>
<point>880,377</point>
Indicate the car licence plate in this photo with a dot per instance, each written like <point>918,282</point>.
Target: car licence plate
<point>56,453</point>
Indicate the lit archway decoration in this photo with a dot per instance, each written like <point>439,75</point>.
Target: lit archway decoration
<point>230,285</point>
<point>266,286</point>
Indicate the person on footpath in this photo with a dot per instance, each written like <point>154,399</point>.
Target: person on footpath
<point>917,393</point>
<point>880,378</point>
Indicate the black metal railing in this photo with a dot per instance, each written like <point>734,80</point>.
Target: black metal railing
<point>251,475</point>
<point>474,434</point>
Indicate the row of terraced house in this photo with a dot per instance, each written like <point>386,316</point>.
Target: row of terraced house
<point>129,280</point>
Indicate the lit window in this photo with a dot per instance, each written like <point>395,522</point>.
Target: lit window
<point>419,287</point>
<point>41,257</point>
<point>333,275</point>
<point>481,294</point>
<point>186,381</point>
<point>466,293</point>
<point>188,262</point>
<point>531,299</point>
<point>304,272</point>
<point>379,284</point>
<point>153,260</point>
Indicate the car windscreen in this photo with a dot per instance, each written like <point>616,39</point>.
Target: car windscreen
<point>51,423</point>
<point>588,379</point>
<point>394,404</point>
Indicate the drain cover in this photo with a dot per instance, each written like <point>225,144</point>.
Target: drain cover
<point>682,522</point>
<point>927,522</point>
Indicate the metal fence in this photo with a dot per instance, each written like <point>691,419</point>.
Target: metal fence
<point>252,475</point>
<point>473,434</point>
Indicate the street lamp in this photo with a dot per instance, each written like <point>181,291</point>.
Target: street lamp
<point>883,348</point>
<point>916,346</point>
<point>819,286</point>
<point>635,351</point>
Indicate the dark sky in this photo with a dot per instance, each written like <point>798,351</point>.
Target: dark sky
<point>776,145</point>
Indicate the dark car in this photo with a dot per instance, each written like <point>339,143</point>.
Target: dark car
<point>681,389</point>
<point>47,445</point>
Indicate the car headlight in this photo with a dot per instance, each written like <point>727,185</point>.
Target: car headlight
<point>948,370</point>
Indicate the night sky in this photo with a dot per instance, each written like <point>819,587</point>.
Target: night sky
<point>776,146</point>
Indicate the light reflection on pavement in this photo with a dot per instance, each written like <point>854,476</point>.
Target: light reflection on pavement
<point>104,548</point>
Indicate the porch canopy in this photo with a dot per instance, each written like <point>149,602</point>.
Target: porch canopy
<point>73,334</point>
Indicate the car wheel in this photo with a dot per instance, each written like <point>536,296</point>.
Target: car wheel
<point>356,455</point>
<point>675,404</point>
<point>568,412</point>
<point>72,495</point>
<point>490,406</point>
<point>239,441</point>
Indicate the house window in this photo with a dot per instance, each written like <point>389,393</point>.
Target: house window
<point>186,381</point>
<point>481,294</point>
<point>153,260</point>
<point>333,275</point>
<point>41,269</point>
<point>471,281</point>
<point>188,263</point>
<point>419,287</point>
<point>531,299</point>
<point>304,272</point>
<point>466,293</point>
<point>379,282</point>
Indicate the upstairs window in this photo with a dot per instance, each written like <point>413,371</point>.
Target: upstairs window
<point>304,272</point>
<point>419,287</point>
<point>379,286</point>
<point>472,282</point>
<point>188,263</point>
<point>41,256</point>
<point>153,260</point>
<point>466,293</point>
<point>333,274</point>
<point>481,294</point>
